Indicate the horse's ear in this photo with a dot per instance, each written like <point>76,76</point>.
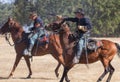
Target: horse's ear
<point>10,19</point>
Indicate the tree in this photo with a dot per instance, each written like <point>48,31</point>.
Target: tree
<point>104,14</point>
<point>5,12</point>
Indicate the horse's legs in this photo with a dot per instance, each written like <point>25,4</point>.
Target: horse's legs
<point>64,74</point>
<point>102,76</point>
<point>111,70</point>
<point>57,68</point>
<point>18,57</point>
<point>106,70</point>
<point>28,65</point>
<point>60,60</point>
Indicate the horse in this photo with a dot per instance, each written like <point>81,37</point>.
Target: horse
<point>105,53</point>
<point>15,29</point>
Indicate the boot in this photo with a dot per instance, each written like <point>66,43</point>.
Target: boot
<point>77,56</point>
<point>76,59</point>
<point>79,51</point>
<point>28,51</point>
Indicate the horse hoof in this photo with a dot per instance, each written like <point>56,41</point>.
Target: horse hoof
<point>57,75</point>
<point>9,76</point>
<point>68,81</point>
<point>107,81</point>
<point>98,80</point>
<point>28,77</point>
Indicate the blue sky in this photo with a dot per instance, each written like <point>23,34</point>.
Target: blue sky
<point>6,1</point>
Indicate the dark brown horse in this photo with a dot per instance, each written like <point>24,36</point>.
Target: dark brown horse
<point>104,54</point>
<point>16,30</point>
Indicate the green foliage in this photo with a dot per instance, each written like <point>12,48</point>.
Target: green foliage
<point>5,12</point>
<point>104,14</point>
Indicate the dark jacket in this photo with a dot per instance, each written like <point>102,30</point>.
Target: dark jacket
<point>80,22</point>
<point>36,21</point>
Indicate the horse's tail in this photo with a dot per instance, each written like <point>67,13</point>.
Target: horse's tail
<point>118,48</point>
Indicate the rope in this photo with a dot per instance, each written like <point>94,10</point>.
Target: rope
<point>7,39</point>
<point>86,53</point>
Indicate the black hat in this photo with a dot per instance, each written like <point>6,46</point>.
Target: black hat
<point>79,10</point>
<point>33,14</point>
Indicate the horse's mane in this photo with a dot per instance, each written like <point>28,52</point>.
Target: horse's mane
<point>18,26</point>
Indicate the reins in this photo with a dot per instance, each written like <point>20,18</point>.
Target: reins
<point>7,37</point>
<point>56,42</point>
<point>85,36</point>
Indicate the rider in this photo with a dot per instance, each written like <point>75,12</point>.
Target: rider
<point>37,30</point>
<point>83,26</point>
<point>59,18</point>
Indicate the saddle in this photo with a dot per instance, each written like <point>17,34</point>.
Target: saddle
<point>43,40</point>
<point>93,45</point>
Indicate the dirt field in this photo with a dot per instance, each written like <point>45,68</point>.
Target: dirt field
<point>43,68</point>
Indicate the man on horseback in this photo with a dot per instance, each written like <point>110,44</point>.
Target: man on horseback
<point>59,18</point>
<point>83,26</point>
<point>36,31</point>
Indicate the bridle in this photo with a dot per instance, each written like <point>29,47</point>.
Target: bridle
<point>58,29</point>
<point>7,36</point>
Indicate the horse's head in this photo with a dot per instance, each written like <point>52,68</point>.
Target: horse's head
<point>61,28</point>
<point>54,26</point>
<point>10,26</point>
<point>5,28</point>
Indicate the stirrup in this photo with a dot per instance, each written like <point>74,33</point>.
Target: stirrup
<point>27,53</point>
<point>75,60</point>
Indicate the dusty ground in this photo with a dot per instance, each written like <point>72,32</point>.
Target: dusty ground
<point>43,68</point>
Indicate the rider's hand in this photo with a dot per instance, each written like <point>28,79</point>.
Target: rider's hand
<point>83,28</point>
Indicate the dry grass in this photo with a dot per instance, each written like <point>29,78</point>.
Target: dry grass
<point>43,68</point>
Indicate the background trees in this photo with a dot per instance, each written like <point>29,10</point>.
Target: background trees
<point>104,14</point>
<point>5,12</point>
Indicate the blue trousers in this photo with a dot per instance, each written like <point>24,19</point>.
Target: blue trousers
<point>80,46</point>
<point>34,37</point>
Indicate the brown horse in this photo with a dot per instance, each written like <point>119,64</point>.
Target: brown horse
<point>16,30</point>
<point>105,53</point>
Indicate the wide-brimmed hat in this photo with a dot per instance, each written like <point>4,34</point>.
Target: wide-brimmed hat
<point>32,15</point>
<point>59,16</point>
<point>79,10</point>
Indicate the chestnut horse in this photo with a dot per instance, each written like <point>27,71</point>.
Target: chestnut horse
<point>16,30</point>
<point>104,54</point>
